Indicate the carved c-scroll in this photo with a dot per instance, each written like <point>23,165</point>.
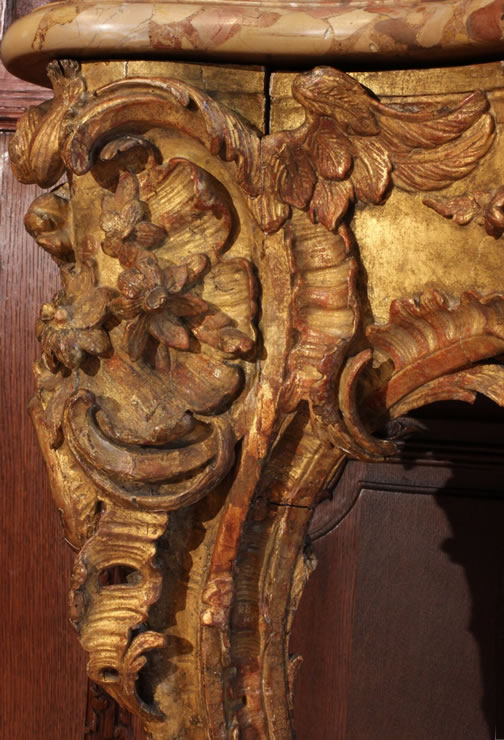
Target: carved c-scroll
<point>205,368</point>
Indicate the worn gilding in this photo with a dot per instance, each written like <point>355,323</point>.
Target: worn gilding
<point>240,311</point>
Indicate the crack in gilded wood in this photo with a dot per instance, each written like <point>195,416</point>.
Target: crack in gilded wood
<point>210,361</point>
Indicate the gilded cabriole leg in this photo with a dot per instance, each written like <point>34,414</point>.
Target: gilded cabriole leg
<point>215,352</point>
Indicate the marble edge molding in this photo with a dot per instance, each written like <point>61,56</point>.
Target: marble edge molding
<point>390,33</point>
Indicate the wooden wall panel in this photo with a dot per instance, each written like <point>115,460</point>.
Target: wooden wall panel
<point>401,624</point>
<point>43,690</point>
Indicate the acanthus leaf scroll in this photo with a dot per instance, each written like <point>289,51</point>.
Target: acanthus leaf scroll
<point>208,363</point>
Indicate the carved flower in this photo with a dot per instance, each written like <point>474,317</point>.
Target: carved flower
<point>123,219</point>
<point>181,290</point>
<point>69,326</point>
<point>157,303</point>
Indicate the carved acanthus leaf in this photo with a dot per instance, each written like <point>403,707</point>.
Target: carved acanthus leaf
<point>132,103</point>
<point>34,150</point>
<point>430,339</point>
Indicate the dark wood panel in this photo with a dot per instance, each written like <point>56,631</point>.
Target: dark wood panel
<point>423,641</point>
<point>43,687</point>
<point>399,624</point>
<point>321,634</point>
<point>15,96</point>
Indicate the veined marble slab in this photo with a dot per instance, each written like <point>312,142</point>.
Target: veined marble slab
<point>391,32</point>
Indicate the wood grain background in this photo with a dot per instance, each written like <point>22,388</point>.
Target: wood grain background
<point>43,692</point>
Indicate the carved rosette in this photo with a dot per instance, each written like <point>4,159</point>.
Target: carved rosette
<point>209,363</point>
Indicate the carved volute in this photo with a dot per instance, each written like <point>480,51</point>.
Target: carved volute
<point>252,286</point>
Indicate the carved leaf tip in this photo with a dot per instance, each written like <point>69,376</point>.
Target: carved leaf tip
<point>35,147</point>
<point>430,339</point>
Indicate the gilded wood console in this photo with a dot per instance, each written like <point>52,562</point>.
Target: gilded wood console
<point>261,273</point>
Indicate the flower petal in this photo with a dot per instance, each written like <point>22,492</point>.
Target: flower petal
<point>175,277</point>
<point>128,254</point>
<point>124,308</point>
<point>217,331</point>
<point>187,305</point>
<point>67,350</point>
<point>131,214</point>
<point>133,283</point>
<point>196,266</point>
<point>162,360</point>
<point>111,222</point>
<point>136,336</point>
<point>93,341</point>
<point>111,245</point>
<point>148,235</point>
<point>127,189</point>
<point>123,210</point>
<point>47,311</point>
<point>90,308</point>
<point>167,329</point>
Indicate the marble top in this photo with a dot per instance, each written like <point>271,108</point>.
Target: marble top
<point>345,33</point>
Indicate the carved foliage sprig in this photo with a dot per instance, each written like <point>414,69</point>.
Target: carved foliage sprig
<point>352,147</point>
<point>485,207</point>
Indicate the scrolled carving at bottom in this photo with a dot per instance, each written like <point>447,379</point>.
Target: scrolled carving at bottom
<point>114,583</point>
<point>142,476</point>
